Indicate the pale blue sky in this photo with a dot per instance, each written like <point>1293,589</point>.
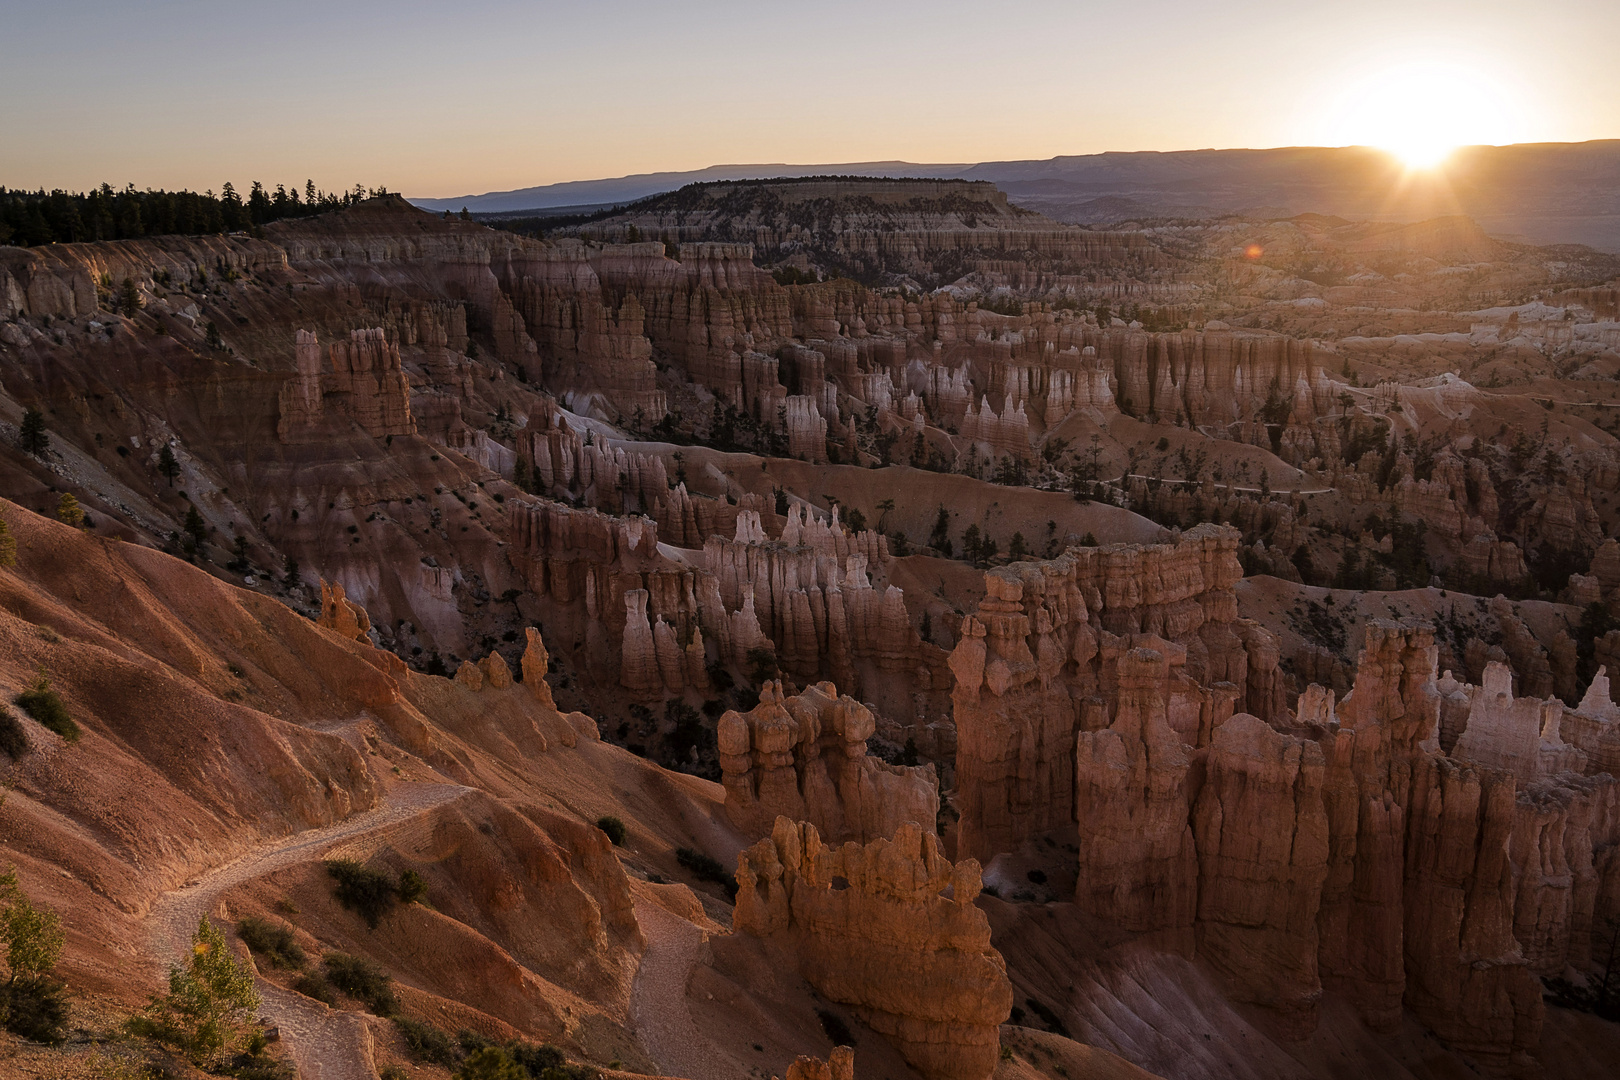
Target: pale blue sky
<point>439,99</point>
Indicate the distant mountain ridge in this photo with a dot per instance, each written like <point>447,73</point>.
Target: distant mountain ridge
<point>1543,193</point>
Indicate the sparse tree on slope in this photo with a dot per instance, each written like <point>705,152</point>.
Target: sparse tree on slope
<point>69,512</point>
<point>31,436</point>
<point>208,1003</point>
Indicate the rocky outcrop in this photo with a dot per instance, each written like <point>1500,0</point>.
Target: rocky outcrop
<point>903,228</point>
<point>470,675</point>
<point>1594,726</point>
<point>365,383</point>
<point>873,928</point>
<point>1565,854</point>
<point>1388,718</point>
<point>1137,865</point>
<point>1039,662</point>
<point>1339,847</point>
<point>1466,977</point>
<point>804,758</point>
<point>840,1065</point>
<point>1519,736</point>
<point>1261,832</point>
<point>812,598</point>
<point>490,673</point>
<point>340,613</point>
<point>1496,562</point>
<point>536,663</point>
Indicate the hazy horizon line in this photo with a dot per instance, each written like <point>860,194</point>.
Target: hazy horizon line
<point>973,164</point>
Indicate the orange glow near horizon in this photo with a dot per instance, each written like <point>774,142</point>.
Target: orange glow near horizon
<point>1423,110</point>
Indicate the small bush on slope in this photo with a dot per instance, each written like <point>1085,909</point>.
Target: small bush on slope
<point>208,1004</point>
<point>370,892</point>
<point>32,1004</point>
<point>426,1042</point>
<point>45,705</point>
<point>363,981</point>
<point>273,942</point>
<point>13,740</point>
<point>313,984</point>
<point>614,828</point>
<point>706,868</point>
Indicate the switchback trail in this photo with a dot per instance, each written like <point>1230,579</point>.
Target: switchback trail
<point>325,1044</point>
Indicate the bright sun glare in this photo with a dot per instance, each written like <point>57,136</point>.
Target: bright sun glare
<point>1421,112</point>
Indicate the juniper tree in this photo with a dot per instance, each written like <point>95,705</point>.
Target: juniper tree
<point>195,526</point>
<point>31,436</point>
<point>68,511</point>
<point>167,465</point>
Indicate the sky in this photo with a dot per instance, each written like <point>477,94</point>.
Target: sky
<point>487,95</point>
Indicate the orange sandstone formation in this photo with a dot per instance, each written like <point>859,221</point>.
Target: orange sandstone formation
<point>840,1065</point>
<point>340,613</point>
<point>804,758</point>
<point>365,383</point>
<point>1040,662</point>
<point>1262,838</point>
<point>873,929</point>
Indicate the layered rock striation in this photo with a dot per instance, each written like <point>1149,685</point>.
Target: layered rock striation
<point>889,929</point>
<point>1042,661</point>
<point>804,758</point>
<point>365,383</point>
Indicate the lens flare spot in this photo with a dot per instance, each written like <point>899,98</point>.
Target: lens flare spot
<point>1254,251</point>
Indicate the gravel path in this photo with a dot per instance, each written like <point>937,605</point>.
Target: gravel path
<point>658,1000</point>
<point>325,1044</point>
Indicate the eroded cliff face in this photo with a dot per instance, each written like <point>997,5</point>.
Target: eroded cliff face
<point>1261,833</point>
<point>1339,848</point>
<point>902,230</point>
<point>872,929</point>
<point>1040,663</point>
<point>804,758</point>
<point>222,729</point>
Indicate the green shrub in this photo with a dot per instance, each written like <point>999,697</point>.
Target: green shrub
<point>272,941</point>
<point>411,888</point>
<point>314,985</point>
<point>568,1072</point>
<point>1053,1022</point>
<point>491,1063</point>
<point>392,1072</point>
<point>360,889</point>
<point>208,1003</point>
<point>256,1065</point>
<point>32,1004</point>
<point>370,892</point>
<point>426,1042</point>
<point>363,981</point>
<point>45,706</point>
<point>13,740</point>
<point>706,868</point>
<point>35,1008</point>
<point>536,1059</point>
<point>614,828</point>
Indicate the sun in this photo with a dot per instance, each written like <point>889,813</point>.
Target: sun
<point>1421,111</point>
